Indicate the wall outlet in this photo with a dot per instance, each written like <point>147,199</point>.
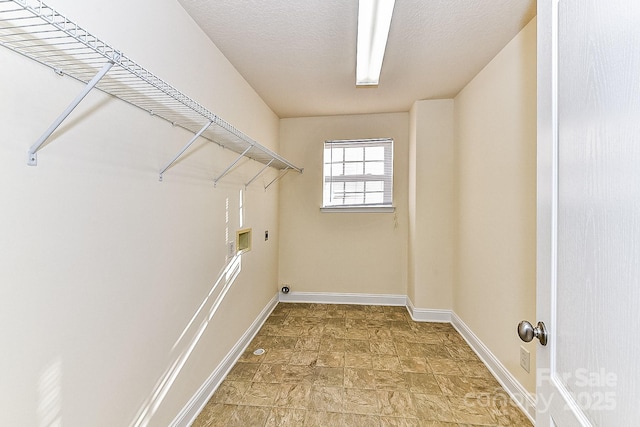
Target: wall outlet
<point>231,249</point>
<point>525,359</point>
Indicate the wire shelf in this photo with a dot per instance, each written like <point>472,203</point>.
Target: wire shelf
<point>37,31</point>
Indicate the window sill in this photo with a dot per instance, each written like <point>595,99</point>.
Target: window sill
<point>359,209</point>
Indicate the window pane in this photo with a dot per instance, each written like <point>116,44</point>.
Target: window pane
<point>353,169</point>
<point>354,199</point>
<point>352,187</point>
<point>377,198</point>
<point>375,185</point>
<point>374,168</point>
<point>333,154</point>
<point>326,195</point>
<point>374,153</point>
<point>353,154</point>
<point>337,169</point>
<point>336,192</point>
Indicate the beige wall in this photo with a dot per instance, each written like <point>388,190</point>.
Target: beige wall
<point>469,222</point>
<point>102,267</point>
<point>495,118</point>
<point>341,252</point>
<point>431,204</point>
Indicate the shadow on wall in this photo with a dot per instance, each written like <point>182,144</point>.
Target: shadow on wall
<point>202,317</point>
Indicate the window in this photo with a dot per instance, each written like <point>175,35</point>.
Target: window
<point>358,173</point>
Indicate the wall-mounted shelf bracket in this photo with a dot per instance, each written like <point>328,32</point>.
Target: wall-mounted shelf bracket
<point>227,170</point>
<point>258,174</point>
<point>185,148</point>
<point>32,158</point>
<point>277,178</point>
<point>39,32</point>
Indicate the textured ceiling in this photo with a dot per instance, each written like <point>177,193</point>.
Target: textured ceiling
<point>300,55</point>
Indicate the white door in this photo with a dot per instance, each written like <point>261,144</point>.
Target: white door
<point>589,212</point>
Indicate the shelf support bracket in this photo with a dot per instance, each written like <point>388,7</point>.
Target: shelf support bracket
<point>277,178</point>
<point>226,171</point>
<point>32,159</point>
<point>191,141</point>
<point>258,174</point>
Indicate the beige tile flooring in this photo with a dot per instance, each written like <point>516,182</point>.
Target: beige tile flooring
<point>353,365</point>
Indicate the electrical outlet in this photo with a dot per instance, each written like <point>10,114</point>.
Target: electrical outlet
<point>525,359</point>
<point>231,249</point>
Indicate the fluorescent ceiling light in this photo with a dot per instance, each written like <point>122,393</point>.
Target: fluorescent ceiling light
<point>374,19</point>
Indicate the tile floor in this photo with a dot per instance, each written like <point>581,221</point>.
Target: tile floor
<point>352,365</point>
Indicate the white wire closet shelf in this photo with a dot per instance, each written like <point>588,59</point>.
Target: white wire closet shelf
<point>37,31</point>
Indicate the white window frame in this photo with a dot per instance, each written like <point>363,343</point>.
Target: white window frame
<point>342,155</point>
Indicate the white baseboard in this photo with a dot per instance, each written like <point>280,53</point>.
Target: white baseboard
<point>428,315</point>
<point>343,298</point>
<point>189,413</point>
<point>511,385</point>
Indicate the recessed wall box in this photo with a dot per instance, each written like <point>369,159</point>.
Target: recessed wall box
<point>243,240</point>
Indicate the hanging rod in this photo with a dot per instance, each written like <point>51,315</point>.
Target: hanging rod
<point>37,31</point>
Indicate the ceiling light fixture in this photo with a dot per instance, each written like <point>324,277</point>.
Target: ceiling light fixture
<point>374,20</point>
